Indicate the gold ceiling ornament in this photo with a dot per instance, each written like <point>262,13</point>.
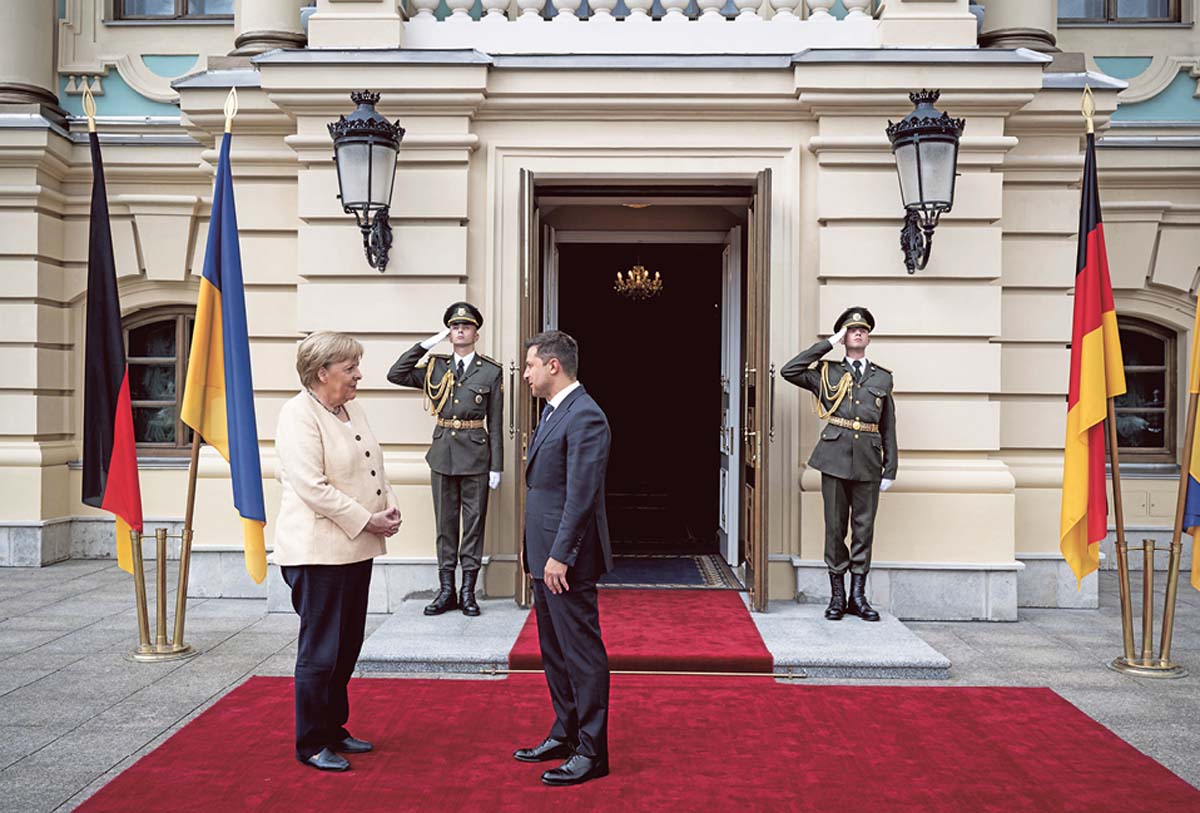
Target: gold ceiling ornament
<point>638,285</point>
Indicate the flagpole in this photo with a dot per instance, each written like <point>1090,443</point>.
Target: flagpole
<point>1088,109</point>
<point>1119,511</point>
<point>185,550</point>
<point>1164,650</point>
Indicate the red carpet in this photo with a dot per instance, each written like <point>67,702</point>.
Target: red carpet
<point>678,743</point>
<point>667,630</point>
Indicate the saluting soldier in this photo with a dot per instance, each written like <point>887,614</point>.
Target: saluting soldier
<point>464,390</point>
<point>856,454</point>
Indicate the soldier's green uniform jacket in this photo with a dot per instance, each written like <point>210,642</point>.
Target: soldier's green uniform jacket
<point>478,396</point>
<point>841,451</point>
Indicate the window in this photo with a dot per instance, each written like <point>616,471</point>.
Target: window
<point>173,9</point>
<point>1118,11</point>
<point>1146,412</point>
<point>156,349</point>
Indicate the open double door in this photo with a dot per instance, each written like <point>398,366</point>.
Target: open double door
<point>754,397</point>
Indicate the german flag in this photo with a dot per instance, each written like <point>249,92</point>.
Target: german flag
<point>1097,374</point>
<point>110,469</point>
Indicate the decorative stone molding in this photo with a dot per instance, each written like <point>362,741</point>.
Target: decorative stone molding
<point>1155,79</point>
<point>87,51</point>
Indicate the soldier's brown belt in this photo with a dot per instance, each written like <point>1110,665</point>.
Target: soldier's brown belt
<point>458,423</point>
<point>857,426</point>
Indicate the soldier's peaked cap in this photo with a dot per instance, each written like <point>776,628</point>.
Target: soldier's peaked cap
<point>856,316</point>
<point>463,312</point>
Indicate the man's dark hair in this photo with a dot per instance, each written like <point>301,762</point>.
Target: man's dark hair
<point>554,344</point>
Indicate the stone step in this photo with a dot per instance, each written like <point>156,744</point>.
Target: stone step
<point>802,642</point>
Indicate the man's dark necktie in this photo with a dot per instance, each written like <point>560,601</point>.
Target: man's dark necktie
<point>546,410</point>
<point>460,370</point>
<point>857,370</point>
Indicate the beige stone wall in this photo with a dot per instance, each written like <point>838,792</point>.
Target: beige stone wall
<point>976,340</point>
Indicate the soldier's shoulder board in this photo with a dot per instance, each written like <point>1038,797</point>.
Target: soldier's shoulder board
<point>491,360</point>
<point>881,368</point>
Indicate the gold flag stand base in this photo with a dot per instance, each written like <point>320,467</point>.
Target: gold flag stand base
<point>152,654</point>
<point>162,648</point>
<point>1153,668</point>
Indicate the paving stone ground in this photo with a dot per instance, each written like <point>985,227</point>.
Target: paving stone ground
<point>75,710</point>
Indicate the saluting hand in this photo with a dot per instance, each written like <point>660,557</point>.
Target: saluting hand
<point>555,576</point>
<point>839,337</point>
<point>436,339</point>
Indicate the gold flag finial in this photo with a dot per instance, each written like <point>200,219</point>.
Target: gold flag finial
<point>89,106</point>
<point>1088,108</point>
<point>231,109</point>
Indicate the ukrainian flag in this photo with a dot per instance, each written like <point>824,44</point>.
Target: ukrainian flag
<point>1191,505</point>
<point>218,399</point>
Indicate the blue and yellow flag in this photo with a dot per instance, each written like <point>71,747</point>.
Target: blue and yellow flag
<point>218,400</point>
<point>1191,506</point>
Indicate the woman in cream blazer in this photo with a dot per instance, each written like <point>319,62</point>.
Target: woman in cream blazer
<point>335,512</point>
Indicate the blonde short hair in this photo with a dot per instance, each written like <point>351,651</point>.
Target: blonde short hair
<point>321,349</point>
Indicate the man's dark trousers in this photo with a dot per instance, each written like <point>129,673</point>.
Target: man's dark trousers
<point>850,503</point>
<point>569,634</point>
<point>454,497</point>
<point>331,601</point>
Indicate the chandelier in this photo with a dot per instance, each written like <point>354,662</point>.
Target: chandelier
<point>638,286</point>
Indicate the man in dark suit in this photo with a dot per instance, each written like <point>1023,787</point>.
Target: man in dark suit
<point>856,454</point>
<point>566,550</point>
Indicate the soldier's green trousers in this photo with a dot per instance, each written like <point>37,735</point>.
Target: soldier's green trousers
<point>853,503</point>
<point>456,496</point>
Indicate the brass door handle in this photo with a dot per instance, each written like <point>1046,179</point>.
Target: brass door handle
<point>512,389</point>
<point>771,398</point>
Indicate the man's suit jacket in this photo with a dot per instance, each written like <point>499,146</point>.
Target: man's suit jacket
<point>842,452</point>
<point>565,517</point>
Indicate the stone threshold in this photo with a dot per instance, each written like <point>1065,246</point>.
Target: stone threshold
<point>802,642</point>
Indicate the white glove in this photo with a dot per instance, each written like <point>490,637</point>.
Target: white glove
<point>436,339</point>
<point>885,484</point>
<point>493,480</point>
<point>838,337</point>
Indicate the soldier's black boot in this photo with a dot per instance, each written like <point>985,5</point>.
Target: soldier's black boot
<point>837,596</point>
<point>445,598</point>
<point>466,598</point>
<point>858,598</point>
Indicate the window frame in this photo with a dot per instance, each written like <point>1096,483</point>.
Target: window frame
<point>1170,339</point>
<point>1174,15</point>
<point>184,318</point>
<point>181,14</point>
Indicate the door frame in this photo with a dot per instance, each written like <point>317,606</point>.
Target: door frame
<point>518,168</point>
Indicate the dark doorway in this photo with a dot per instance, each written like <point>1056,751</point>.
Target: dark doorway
<point>654,367</point>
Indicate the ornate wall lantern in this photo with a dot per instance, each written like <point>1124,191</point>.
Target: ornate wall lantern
<point>925,143</point>
<point>364,148</point>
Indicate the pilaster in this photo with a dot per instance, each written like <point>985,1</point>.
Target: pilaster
<point>264,25</point>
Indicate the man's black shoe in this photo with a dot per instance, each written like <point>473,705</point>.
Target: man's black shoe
<point>837,596</point>
<point>466,597</point>
<point>445,598</point>
<point>550,749</point>
<point>858,598</point>
<point>352,745</point>
<point>576,770</point>
<point>326,760</point>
